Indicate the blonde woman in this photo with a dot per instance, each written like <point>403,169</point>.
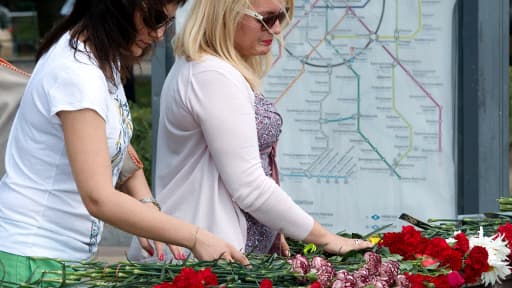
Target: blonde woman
<point>217,133</point>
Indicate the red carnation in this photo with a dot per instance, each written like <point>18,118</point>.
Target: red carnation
<point>440,281</point>
<point>462,245</point>
<point>439,249</point>
<point>189,278</point>
<point>417,280</point>
<point>207,277</point>
<point>506,230</point>
<point>266,283</point>
<point>475,264</point>
<point>453,259</point>
<point>406,243</point>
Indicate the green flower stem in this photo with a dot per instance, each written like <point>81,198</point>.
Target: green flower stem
<point>275,268</point>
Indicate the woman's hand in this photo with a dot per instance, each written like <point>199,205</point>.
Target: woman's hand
<point>280,246</point>
<point>284,249</point>
<point>333,243</point>
<point>342,245</point>
<point>176,251</point>
<point>207,246</point>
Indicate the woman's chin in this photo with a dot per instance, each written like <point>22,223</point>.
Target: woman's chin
<point>137,52</point>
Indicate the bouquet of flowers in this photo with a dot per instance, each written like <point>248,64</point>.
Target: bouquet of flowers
<point>449,255</point>
<point>451,262</point>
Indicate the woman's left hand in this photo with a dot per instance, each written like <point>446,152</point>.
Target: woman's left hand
<point>284,249</point>
<point>176,251</point>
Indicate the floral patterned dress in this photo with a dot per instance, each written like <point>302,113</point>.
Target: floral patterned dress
<point>268,124</point>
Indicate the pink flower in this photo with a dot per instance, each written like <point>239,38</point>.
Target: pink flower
<point>344,280</point>
<point>402,282</point>
<point>317,262</point>
<point>342,284</point>
<point>323,269</point>
<point>300,265</point>
<point>455,279</point>
<point>373,262</point>
<point>428,261</point>
<point>342,274</point>
<point>389,271</point>
<point>363,277</point>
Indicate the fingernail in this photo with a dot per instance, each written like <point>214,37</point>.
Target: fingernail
<point>151,253</point>
<point>182,256</point>
<point>161,257</point>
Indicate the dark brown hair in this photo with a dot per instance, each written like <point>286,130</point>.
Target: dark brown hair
<point>108,29</point>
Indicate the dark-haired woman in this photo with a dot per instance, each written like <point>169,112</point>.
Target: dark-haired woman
<point>69,140</point>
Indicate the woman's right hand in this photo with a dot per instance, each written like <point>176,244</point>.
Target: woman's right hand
<point>207,246</point>
<point>333,243</point>
<point>342,245</point>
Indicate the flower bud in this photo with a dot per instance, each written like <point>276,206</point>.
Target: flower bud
<point>344,279</point>
<point>362,277</point>
<point>402,282</point>
<point>324,270</point>
<point>300,264</point>
<point>373,262</point>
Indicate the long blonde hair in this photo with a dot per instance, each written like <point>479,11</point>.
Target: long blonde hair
<point>210,29</point>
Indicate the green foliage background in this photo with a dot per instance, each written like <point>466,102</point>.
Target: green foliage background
<point>141,117</point>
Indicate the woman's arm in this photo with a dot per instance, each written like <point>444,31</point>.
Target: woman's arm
<point>86,145</point>
<point>137,186</point>
<point>225,111</point>
<point>223,107</point>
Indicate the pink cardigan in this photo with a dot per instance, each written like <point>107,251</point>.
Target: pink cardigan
<point>208,165</point>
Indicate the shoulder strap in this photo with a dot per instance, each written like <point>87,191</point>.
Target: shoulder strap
<point>273,163</point>
<point>8,65</point>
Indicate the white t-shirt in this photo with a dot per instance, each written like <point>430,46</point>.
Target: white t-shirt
<point>41,213</point>
<point>208,165</point>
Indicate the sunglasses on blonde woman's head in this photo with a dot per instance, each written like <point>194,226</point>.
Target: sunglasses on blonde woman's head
<point>267,22</point>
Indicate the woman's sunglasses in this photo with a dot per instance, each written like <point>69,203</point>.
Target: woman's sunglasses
<point>167,23</point>
<point>158,19</point>
<point>269,21</point>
